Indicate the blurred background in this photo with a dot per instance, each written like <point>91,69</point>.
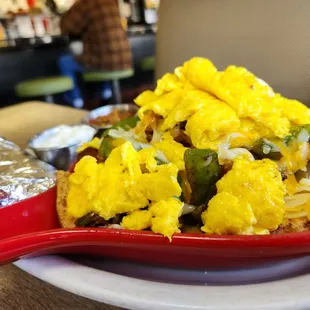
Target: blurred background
<point>270,38</point>
<point>31,43</point>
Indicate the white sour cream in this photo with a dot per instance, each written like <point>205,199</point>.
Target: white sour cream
<point>63,136</point>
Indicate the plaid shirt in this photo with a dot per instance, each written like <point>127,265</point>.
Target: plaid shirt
<point>106,45</point>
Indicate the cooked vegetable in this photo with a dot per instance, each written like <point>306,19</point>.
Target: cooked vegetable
<point>105,148</point>
<point>106,144</point>
<point>196,214</point>
<point>126,124</point>
<point>300,134</point>
<point>266,149</point>
<point>90,220</point>
<point>203,171</point>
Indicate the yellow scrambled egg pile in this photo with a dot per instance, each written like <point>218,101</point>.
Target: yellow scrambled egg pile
<point>222,103</point>
<point>225,111</point>
<point>249,200</point>
<point>119,186</point>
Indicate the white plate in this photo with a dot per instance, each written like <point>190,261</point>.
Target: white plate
<point>85,277</point>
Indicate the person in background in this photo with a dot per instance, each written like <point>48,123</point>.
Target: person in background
<point>105,42</point>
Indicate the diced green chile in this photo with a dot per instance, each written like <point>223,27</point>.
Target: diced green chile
<point>295,132</point>
<point>125,124</point>
<point>266,149</point>
<point>183,187</point>
<point>105,148</point>
<point>203,171</point>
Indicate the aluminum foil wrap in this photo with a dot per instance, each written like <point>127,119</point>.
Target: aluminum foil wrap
<point>22,175</point>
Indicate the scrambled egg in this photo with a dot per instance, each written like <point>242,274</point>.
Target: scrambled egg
<point>208,125</point>
<point>250,131</point>
<point>238,219</point>
<point>162,217</point>
<point>295,156</point>
<point>250,200</point>
<point>95,144</point>
<point>246,94</point>
<point>166,216</point>
<point>172,150</point>
<point>145,98</point>
<point>147,158</point>
<point>137,220</point>
<point>248,97</point>
<point>199,72</point>
<point>233,102</point>
<point>294,110</point>
<point>118,186</point>
<point>172,81</point>
<point>192,102</point>
<point>163,105</point>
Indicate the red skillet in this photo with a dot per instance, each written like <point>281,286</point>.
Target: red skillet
<point>31,228</point>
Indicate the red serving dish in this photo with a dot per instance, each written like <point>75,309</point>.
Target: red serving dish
<point>31,228</point>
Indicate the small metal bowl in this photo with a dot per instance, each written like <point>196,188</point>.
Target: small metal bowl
<point>59,157</point>
<point>105,110</point>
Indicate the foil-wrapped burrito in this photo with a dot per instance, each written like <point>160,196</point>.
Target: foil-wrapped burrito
<point>22,175</point>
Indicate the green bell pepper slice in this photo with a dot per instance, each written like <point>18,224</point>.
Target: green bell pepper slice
<point>266,149</point>
<point>105,148</point>
<point>203,171</point>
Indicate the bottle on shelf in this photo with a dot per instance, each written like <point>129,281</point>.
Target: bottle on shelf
<point>150,11</point>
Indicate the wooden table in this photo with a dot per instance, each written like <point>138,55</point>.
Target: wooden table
<point>19,290</point>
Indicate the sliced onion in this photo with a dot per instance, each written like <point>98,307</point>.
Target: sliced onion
<point>115,226</point>
<point>294,209</point>
<point>303,136</point>
<point>187,209</point>
<point>160,155</point>
<point>296,200</point>
<point>304,181</point>
<point>296,196</point>
<point>231,154</point>
<point>156,136</point>
<point>121,133</point>
<point>295,215</point>
<point>243,152</point>
<point>131,137</point>
<point>225,142</point>
<point>224,153</point>
<point>304,150</point>
<point>295,203</point>
<point>303,189</point>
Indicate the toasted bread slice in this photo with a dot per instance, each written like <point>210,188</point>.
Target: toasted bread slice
<point>65,220</point>
<point>293,225</point>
